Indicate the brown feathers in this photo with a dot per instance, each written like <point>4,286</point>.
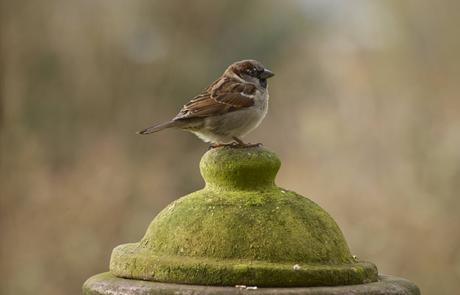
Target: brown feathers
<point>224,95</point>
<point>230,107</point>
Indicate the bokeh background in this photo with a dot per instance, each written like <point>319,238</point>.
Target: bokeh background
<point>364,115</point>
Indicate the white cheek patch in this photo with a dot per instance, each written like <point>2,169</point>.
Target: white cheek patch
<point>247,95</point>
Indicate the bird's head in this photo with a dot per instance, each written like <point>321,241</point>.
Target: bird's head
<point>250,71</point>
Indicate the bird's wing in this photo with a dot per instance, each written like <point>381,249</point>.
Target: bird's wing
<point>224,95</point>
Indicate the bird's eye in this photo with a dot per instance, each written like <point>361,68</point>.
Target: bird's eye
<point>251,72</point>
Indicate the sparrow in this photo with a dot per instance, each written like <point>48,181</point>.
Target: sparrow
<point>231,107</point>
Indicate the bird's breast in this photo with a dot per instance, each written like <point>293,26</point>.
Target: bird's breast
<point>261,101</point>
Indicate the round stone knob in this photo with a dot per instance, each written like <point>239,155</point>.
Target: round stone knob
<point>233,169</point>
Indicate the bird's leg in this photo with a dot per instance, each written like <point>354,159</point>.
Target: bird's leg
<point>239,141</point>
<point>245,145</point>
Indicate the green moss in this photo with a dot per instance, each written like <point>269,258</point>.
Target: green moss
<point>239,169</point>
<point>205,271</point>
<point>242,229</point>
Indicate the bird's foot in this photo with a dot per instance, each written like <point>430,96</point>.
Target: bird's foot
<point>236,145</point>
<point>247,145</point>
<point>217,145</point>
<point>240,144</point>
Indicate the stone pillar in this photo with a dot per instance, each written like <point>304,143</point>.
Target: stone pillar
<point>242,232</point>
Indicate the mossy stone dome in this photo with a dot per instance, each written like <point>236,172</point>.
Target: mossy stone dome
<point>242,229</point>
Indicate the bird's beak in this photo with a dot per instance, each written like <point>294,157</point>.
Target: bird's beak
<point>266,74</point>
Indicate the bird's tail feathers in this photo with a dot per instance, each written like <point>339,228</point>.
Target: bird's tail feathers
<point>157,127</point>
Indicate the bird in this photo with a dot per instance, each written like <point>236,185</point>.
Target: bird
<point>228,109</point>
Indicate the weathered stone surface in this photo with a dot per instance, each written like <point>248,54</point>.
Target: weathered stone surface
<point>242,229</point>
<point>107,284</point>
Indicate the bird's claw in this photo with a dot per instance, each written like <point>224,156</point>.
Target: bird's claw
<point>235,145</point>
<point>217,145</point>
<point>247,145</point>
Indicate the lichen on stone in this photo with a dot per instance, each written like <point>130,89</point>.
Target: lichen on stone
<point>241,229</point>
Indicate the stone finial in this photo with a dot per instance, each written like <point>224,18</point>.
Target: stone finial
<point>241,229</point>
<point>239,169</point>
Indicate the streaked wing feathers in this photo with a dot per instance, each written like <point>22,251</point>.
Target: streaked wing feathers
<point>224,95</point>
<point>234,94</point>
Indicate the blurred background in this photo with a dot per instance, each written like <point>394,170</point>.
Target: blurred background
<point>364,114</point>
